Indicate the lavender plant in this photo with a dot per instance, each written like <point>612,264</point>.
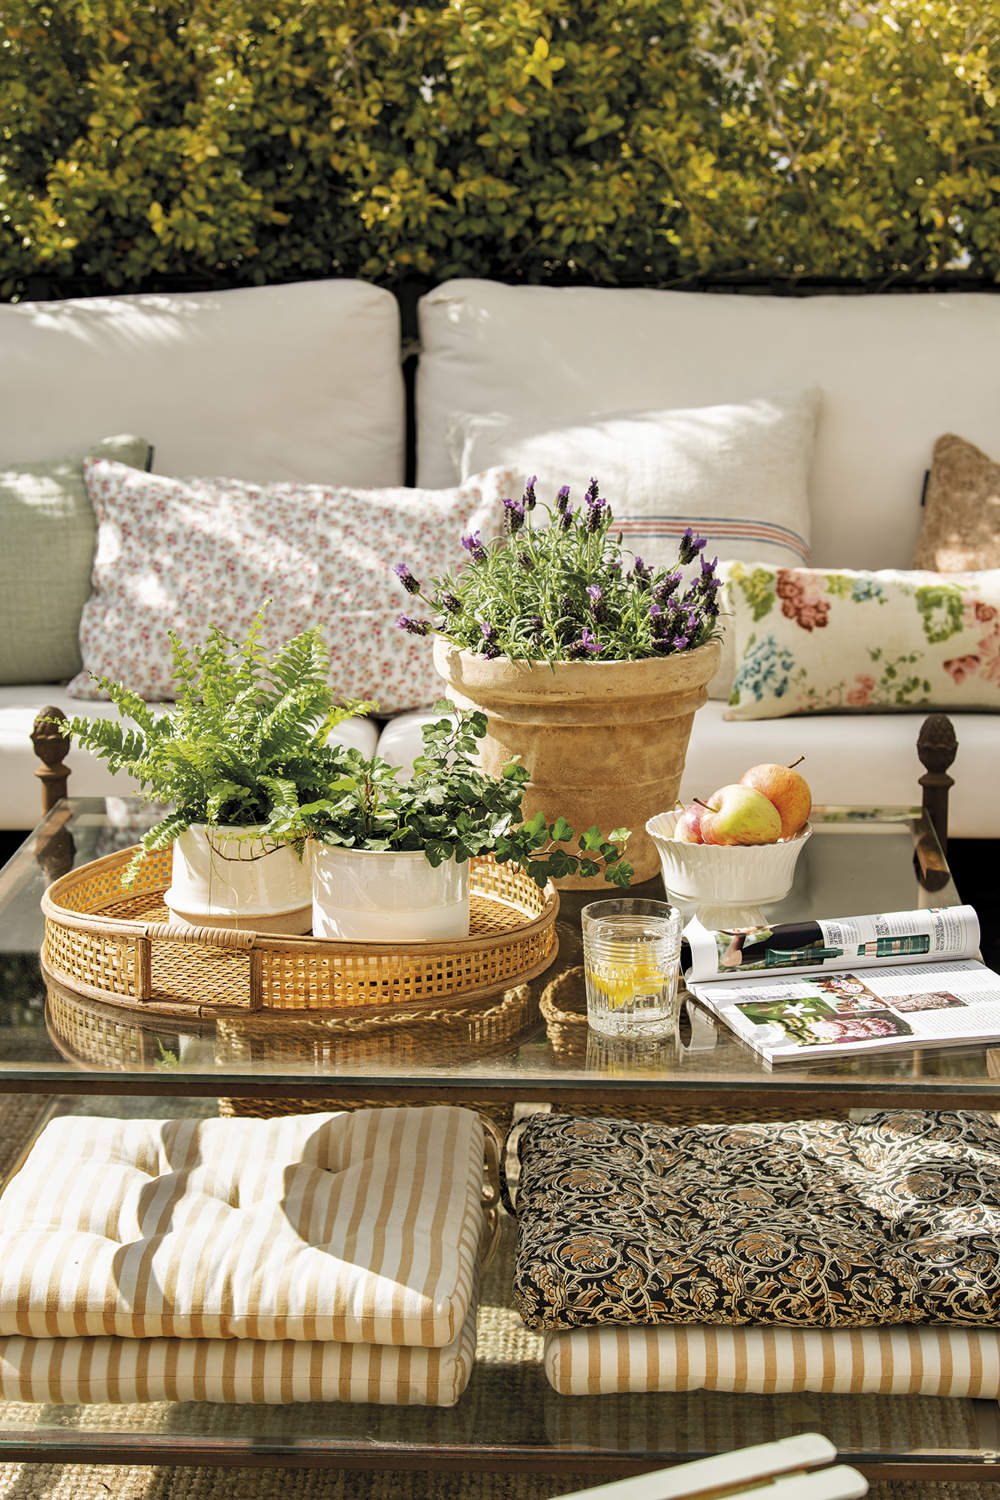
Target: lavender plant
<point>567,589</point>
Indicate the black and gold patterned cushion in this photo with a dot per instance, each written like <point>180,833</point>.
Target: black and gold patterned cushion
<point>821,1223</point>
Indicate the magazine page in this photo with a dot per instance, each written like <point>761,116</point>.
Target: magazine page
<point>804,1016</point>
<point>876,941</point>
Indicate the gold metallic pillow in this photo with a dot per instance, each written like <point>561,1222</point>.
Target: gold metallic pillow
<point>961,524</point>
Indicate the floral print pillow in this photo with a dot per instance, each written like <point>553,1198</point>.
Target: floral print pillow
<point>810,640</point>
<point>186,554</point>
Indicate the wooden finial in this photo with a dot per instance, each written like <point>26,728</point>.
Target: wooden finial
<point>937,746</point>
<point>51,746</point>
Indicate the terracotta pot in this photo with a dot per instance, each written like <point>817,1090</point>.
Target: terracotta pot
<point>604,742</point>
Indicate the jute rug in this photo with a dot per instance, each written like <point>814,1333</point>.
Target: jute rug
<point>513,1382</point>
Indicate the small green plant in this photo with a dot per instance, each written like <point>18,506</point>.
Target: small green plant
<point>450,808</point>
<point>567,590</point>
<point>244,743</point>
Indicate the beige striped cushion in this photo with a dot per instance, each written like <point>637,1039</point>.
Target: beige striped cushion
<point>235,1370</point>
<point>361,1227</point>
<point>928,1360</point>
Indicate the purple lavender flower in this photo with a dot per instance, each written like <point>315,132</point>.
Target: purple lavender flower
<point>690,546</point>
<point>450,603</point>
<point>587,645</point>
<point>596,601</point>
<point>526,561</point>
<point>640,572</point>
<point>489,632</point>
<point>474,546</point>
<point>490,652</point>
<point>406,578</point>
<point>592,488</point>
<point>566,519</point>
<point>513,515</point>
<point>529,501</point>
<point>664,587</point>
<point>537,624</point>
<point>415,627</point>
<point>596,511</point>
<point>562,499</point>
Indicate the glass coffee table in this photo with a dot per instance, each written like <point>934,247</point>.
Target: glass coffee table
<point>94,1056</point>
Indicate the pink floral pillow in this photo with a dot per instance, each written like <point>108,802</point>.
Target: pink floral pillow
<point>185,554</point>
<point>813,640</point>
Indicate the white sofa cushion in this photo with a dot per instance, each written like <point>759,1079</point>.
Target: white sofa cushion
<point>868,758</point>
<point>363,1227</point>
<point>737,473</point>
<point>20,792</point>
<point>895,372</point>
<point>282,382</point>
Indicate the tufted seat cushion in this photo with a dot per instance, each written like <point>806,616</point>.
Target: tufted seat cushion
<point>823,1223</point>
<point>360,1228</point>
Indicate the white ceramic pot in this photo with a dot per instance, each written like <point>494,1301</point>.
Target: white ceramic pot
<point>384,896</point>
<point>231,877</point>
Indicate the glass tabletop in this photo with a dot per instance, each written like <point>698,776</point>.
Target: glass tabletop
<point>529,1043</point>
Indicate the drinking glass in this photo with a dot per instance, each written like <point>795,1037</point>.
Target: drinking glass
<point>631,955</point>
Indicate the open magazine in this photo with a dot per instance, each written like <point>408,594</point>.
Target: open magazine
<point>804,990</point>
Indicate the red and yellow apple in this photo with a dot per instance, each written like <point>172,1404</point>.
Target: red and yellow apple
<point>786,789</point>
<point>738,814</point>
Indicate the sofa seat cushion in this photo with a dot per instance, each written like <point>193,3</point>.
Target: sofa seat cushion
<point>925,1360</point>
<point>362,1227</point>
<point>240,1370</point>
<point>20,793</point>
<point>822,1223</point>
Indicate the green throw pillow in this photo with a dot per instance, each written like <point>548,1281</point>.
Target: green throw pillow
<point>48,528</point>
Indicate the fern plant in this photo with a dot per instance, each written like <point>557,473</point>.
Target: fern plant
<point>244,744</point>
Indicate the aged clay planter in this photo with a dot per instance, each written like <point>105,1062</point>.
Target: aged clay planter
<point>232,877</point>
<point>604,742</point>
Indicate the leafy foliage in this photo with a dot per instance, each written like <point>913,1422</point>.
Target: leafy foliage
<point>243,745</point>
<point>450,808</point>
<point>238,141</point>
<point>567,590</point>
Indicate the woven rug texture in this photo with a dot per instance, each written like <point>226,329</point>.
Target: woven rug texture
<point>502,1337</point>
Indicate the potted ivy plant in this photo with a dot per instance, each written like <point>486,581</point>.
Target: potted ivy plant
<point>589,663</point>
<point>390,855</point>
<point>243,744</point>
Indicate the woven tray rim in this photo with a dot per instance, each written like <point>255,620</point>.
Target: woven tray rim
<point>246,938</point>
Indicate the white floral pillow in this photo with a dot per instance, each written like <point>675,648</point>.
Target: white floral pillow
<point>186,554</point>
<point>810,640</point>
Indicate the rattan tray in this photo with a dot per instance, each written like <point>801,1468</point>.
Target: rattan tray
<point>120,945</point>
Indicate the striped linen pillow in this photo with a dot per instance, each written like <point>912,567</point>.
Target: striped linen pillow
<point>738,473</point>
<point>236,1370</point>
<point>361,1228</point>
<point>924,1361</point>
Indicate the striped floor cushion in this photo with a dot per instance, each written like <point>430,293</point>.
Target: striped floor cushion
<point>357,1228</point>
<point>236,1370</point>
<point>925,1361</point>
<point>894,1219</point>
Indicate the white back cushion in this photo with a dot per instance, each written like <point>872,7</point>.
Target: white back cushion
<point>895,371</point>
<point>261,383</point>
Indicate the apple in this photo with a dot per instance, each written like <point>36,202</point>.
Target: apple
<point>688,826</point>
<point>738,814</point>
<point>786,789</point>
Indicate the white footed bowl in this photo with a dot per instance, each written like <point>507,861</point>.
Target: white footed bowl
<point>727,883</point>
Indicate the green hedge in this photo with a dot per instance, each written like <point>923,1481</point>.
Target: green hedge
<point>150,143</point>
